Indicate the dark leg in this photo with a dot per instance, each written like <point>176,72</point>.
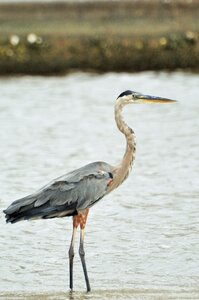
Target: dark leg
<point>82,256</point>
<point>71,256</point>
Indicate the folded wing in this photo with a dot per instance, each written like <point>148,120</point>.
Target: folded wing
<point>64,196</point>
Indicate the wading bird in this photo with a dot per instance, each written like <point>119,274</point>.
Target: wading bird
<point>76,192</point>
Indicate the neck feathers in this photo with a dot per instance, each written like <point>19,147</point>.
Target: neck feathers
<point>125,165</point>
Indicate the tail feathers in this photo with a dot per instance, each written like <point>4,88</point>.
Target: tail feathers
<point>26,213</point>
<point>24,209</point>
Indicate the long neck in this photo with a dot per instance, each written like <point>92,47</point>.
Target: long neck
<point>124,167</point>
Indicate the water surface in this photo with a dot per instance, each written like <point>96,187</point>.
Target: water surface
<point>140,240</point>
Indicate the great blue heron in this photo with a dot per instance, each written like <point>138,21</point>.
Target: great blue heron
<point>74,193</point>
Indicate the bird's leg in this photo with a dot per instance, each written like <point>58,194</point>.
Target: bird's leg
<point>71,253</point>
<point>83,218</point>
<point>82,256</point>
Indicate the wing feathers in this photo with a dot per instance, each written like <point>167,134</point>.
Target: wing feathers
<point>62,197</point>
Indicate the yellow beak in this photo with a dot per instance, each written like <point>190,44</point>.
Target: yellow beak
<point>152,99</point>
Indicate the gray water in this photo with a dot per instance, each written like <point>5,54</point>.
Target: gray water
<point>143,239</point>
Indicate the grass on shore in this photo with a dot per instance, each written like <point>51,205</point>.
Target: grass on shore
<point>106,36</point>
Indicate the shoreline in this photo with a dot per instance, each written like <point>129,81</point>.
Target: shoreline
<point>150,293</point>
<point>55,38</point>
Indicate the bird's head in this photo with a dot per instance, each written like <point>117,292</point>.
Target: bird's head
<point>129,96</point>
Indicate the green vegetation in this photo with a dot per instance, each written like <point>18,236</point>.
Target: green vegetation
<point>107,36</point>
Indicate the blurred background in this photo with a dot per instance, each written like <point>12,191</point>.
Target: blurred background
<point>142,240</point>
<point>56,37</point>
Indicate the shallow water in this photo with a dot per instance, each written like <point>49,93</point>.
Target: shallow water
<point>140,240</point>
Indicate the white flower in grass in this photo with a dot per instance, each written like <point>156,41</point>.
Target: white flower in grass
<point>163,41</point>
<point>14,40</point>
<point>32,38</point>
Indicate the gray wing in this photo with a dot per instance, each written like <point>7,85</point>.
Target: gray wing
<point>64,196</point>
